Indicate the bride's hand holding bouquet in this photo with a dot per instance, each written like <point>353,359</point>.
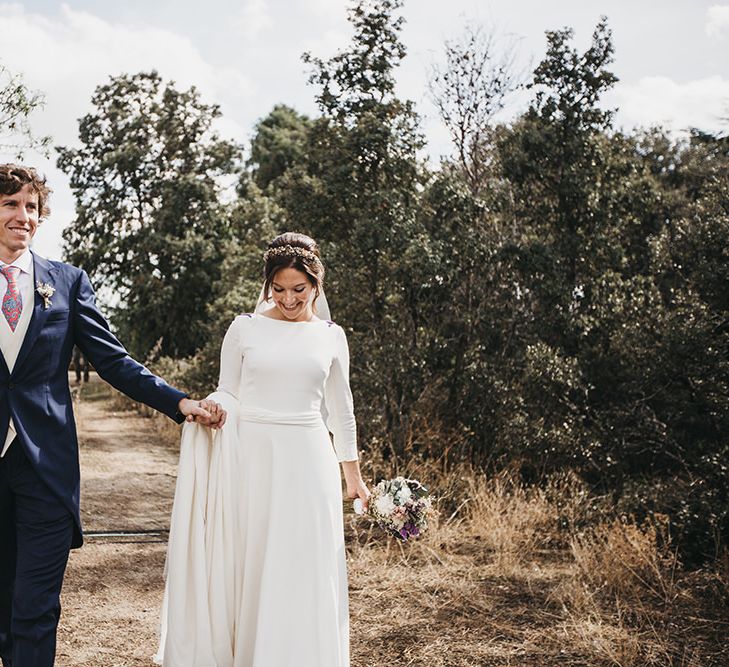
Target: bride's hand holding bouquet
<point>356,488</point>
<point>401,506</point>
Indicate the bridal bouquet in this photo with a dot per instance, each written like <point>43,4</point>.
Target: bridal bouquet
<point>401,506</point>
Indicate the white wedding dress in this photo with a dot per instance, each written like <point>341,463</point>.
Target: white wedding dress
<point>256,573</point>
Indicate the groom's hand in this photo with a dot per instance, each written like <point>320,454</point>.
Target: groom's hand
<point>207,413</point>
<point>217,414</point>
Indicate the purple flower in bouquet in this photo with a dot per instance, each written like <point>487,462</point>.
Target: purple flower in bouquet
<point>401,506</point>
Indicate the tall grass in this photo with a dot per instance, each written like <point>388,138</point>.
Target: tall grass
<point>512,574</point>
<point>534,575</point>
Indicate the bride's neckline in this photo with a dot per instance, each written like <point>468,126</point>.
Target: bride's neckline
<point>314,319</point>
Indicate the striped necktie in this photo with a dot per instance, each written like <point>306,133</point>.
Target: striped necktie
<point>12,301</point>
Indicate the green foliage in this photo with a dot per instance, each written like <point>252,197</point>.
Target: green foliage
<point>553,299</point>
<point>360,79</point>
<point>624,354</point>
<point>558,155</point>
<point>149,226</point>
<point>358,195</point>
<point>584,320</point>
<point>568,85</point>
<point>254,221</point>
<point>279,143</point>
<point>17,104</point>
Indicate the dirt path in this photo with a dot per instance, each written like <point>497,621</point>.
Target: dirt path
<point>113,589</point>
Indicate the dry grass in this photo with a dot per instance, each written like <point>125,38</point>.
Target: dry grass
<point>630,604</point>
<point>513,523</point>
<point>506,575</point>
<point>533,576</point>
<point>625,561</point>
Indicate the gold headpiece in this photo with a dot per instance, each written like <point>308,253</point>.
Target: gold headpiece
<point>291,251</point>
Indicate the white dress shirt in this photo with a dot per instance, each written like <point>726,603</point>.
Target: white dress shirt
<point>11,341</point>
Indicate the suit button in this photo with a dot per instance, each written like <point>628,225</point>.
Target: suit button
<point>11,386</point>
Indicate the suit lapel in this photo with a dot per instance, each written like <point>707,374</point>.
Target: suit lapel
<point>43,272</point>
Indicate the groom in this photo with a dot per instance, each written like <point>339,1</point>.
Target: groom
<point>46,308</point>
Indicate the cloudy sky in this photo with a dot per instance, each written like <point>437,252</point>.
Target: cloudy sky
<point>672,58</point>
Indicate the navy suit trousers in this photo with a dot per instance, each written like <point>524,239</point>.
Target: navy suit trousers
<point>36,530</point>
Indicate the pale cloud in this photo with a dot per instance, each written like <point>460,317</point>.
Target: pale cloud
<point>73,53</point>
<point>78,51</point>
<point>327,8</point>
<point>327,44</point>
<point>254,19</point>
<point>701,103</point>
<point>717,20</point>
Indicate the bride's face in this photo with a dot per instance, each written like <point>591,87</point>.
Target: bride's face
<point>292,293</point>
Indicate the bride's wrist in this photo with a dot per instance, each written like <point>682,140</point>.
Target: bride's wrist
<point>354,482</point>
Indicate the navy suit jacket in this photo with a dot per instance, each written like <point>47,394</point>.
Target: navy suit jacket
<point>37,395</point>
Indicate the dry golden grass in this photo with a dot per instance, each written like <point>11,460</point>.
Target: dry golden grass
<point>625,561</point>
<point>506,574</point>
<point>532,576</point>
<point>629,603</point>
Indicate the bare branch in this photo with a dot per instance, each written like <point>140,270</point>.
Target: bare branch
<point>469,89</point>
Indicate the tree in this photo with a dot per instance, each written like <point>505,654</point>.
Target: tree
<point>556,159</point>
<point>468,91</point>
<point>149,225</point>
<point>254,220</point>
<point>358,195</point>
<point>17,103</point>
<point>619,367</point>
<point>361,79</point>
<point>278,144</point>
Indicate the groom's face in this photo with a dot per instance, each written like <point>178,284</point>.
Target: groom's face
<point>18,222</point>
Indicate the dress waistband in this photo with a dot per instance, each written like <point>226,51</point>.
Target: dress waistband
<point>261,416</point>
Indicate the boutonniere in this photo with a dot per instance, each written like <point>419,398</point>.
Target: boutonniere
<point>46,290</point>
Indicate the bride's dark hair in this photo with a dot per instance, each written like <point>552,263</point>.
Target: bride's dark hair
<point>292,250</point>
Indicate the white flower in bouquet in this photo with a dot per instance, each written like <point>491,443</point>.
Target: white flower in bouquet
<point>385,504</point>
<point>401,506</point>
<point>403,495</point>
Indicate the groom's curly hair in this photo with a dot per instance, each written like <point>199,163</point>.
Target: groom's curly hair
<point>13,177</point>
<point>295,251</point>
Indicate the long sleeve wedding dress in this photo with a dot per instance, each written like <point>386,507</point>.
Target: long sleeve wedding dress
<point>256,571</point>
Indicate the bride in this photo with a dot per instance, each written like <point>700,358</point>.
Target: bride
<point>256,573</point>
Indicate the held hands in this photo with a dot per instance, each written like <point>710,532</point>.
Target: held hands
<point>205,412</point>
